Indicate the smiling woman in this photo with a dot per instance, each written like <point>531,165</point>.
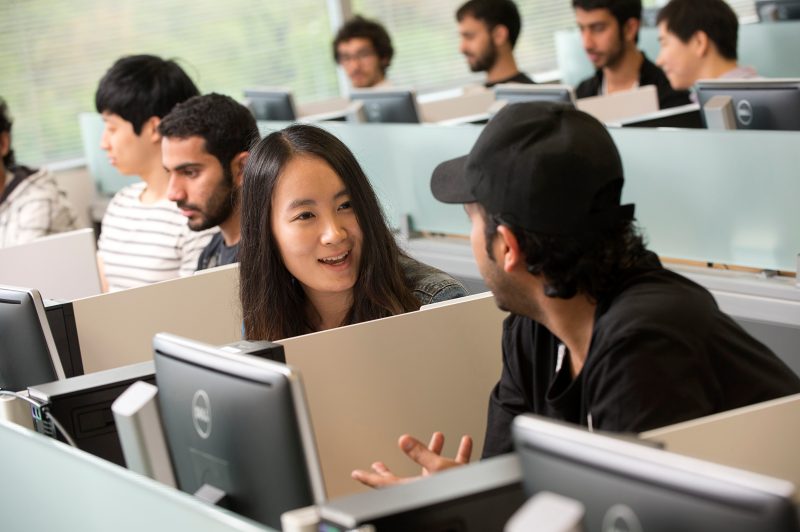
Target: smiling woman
<point>316,252</point>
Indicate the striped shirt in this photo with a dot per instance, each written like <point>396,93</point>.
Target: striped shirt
<point>145,243</point>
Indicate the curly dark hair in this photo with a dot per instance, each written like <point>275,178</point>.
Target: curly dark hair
<point>590,263</point>
<point>227,127</point>
<point>360,27</point>
<point>5,127</point>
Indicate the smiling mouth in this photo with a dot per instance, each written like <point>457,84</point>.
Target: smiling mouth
<point>334,261</point>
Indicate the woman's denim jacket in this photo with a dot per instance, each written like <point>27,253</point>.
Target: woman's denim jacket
<point>429,284</point>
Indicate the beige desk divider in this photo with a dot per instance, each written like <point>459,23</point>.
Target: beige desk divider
<point>466,105</point>
<point>763,438</point>
<point>417,373</point>
<point>60,266</point>
<point>621,105</point>
<point>117,329</point>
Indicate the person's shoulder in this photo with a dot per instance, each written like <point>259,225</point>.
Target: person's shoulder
<point>661,299</point>
<point>429,284</point>
<point>128,193</point>
<point>589,86</point>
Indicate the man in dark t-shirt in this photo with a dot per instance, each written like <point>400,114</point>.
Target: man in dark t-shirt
<point>610,33</point>
<point>600,334</point>
<point>489,30</point>
<point>204,146</point>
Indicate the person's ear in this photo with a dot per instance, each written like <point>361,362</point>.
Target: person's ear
<point>507,252</point>
<point>5,145</point>
<point>631,29</point>
<point>500,35</point>
<point>700,43</point>
<point>150,129</point>
<point>237,168</point>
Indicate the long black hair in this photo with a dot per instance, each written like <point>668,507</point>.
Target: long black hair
<point>274,305</point>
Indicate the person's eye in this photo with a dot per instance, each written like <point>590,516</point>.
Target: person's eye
<point>345,206</point>
<point>306,215</point>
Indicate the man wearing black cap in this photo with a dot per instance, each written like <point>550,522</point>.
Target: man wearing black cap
<point>600,334</point>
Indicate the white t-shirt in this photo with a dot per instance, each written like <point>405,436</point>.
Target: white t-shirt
<point>146,243</point>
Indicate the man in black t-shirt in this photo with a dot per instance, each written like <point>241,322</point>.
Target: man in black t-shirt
<point>489,30</point>
<point>204,146</point>
<point>610,34</point>
<point>600,334</point>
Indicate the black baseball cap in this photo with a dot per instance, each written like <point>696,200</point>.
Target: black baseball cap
<point>543,167</point>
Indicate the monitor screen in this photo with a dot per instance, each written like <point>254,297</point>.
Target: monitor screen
<point>237,423</point>
<point>388,106</point>
<point>774,10</point>
<point>758,103</point>
<point>625,485</point>
<point>28,354</point>
<point>522,92</point>
<point>270,104</point>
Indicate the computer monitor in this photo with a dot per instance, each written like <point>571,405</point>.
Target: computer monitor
<point>478,497</point>
<point>776,10</point>
<point>685,116</point>
<point>388,105</point>
<point>758,103</point>
<point>522,92</point>
<point>625,485</point>
<point>270,103</point>
<point>28,353</point>
<point>237,423</point>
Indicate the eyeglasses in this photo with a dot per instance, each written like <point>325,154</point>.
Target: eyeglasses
<point>360,55</point>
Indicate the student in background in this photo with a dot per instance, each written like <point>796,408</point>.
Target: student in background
<point>364,50</point>
<point>610,33</point>
<point>599,334</point>
<point>316,252</point>
<point>144,237</point>
<point>31,204</point>
<point>204,147</point>
<point>699,41</point>
<point>489,30</point>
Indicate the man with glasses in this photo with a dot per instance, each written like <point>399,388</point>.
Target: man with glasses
<point>364,50</point>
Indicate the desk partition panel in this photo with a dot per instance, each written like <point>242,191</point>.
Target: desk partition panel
<point>720,196</point>
<point>415,373</point>
<point>117,329</point>
<point>50,486</point>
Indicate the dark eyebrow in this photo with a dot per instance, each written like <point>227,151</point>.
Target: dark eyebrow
<point>305,202</point>
<point>184,166</point>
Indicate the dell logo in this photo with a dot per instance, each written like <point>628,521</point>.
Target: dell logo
<point>201,413</point>
<point>620,518</point>
<point>744,112</point>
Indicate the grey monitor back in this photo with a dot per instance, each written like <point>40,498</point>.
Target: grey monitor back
<point>684,116</point>
<point>388,105</point>
<point>628,486</point>
<point>772,104</point>
<point>522,92</point>
<point>238,423</point>
<point>28,353</point>
<point>478,497</point>
<point>271,103</point>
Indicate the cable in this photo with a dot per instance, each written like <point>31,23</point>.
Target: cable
<point>50,417</point>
